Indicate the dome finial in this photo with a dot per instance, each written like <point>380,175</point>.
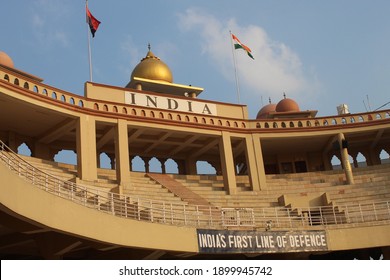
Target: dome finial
<point>284,95</point>
<point>269,100</point>
<point>149,46</point>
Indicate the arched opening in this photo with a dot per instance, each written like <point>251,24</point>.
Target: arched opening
<point>63,99</point>
<point>81,104</point>
<point>105,161</point>
<point>54,95</point>
<point>171,167</point>
<point>360,160</point>
<point>105,108</point>
<point>384,156</point>
<point>66,156</point>
<point>26,85</point>
<point>6,77</point>
<point>137,164</point>
<point>115,109</point>
<point>71,101</point>
<point>23,149</point>
<point>336,163</point>
<point>124,110</point>
<point>16,82</point>
<point>96,106</point>
<point>44,92</point>
<point>155,165</point>
<point>35,89</point>
<point>203,167</point>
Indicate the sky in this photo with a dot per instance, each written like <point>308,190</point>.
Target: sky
<point>319,53</point>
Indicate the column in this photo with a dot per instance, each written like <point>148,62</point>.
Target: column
<point>122,162</point>
<point>190,166</point>
<point>227,162</point>
<point>86,148</point>
<point>258,152</point>
<point>251,163</point>
<point>344,158</point>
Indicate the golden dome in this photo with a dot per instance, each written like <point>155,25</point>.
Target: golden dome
<point>152,68</point>
<point>6,60</point>
<point>287,105</point>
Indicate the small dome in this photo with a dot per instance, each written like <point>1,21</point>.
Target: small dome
<point>6,60</point>
<point>152,68</point>
<point>287,105</point>
<point>263,113</point>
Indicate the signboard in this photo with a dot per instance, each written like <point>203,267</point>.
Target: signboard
<point>230,241</point>
<point>169,103</point>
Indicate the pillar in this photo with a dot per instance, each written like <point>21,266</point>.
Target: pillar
<point>251,163</point>
<point>122,162</point>
<point>227,162</point>
<point>344,159</point>
<point>258,152</point>
<point>86,148</point>
<point>190,166</point>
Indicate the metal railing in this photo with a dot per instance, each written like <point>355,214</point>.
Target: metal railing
<point>182,214</point>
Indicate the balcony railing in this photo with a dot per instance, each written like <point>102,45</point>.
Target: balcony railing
<point>183,214</point>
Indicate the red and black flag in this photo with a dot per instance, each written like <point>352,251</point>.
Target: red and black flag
<point>92,22</point>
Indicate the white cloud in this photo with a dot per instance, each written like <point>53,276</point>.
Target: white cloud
<point>276,68</point>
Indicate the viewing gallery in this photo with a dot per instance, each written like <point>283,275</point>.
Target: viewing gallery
<point>273,190</point>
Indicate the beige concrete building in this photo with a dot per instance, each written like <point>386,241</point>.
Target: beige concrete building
<point>274,194</point>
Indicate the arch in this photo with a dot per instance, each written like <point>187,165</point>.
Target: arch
<point>155,165</point>
<point>26,85</point>
<point>24,149</point>
<point>275,125</point>
<point>171,166</point>
<point>170,117</point>
<point>227,123</point>
<point>361,119</point>
<point>384,156</point>
<point>63,99</point>
<point>360,160</point>
<point>308,123</point>
<point>96,106</point>
<point>133,112</point>
<point>6,77</point>
<point>243,125</point>
<point>316,123</point>
<point>71,101</point>
<point>203,167</point>
<point>352,120</point>
<point>334,122</point>
<point>124,110</point>
<point>105,108</point>
<point>54,95</point>
<point>387,115</point>
<point>105,161</point>
<point>211,121</point>
<point>343,121</point>
<point>143,113</point>
<point>291,124</point>
<point>187,118</point>
<point>220,122</point>
<point>235,124</point>
<point>335,162</point>
<point>161,115</point>
<point>66,156</point>
<point>325,122</point>
<point>44,92</point>
<point>204,120</point>
<point>152,115</point>
<point>16,81</point>
<point>81,103</point>
<point>137,164</point>
<point>266,125</point>
<point>115,109</point>
<point>195,120</point>
<point>35,89</point>
<point>300,124</point>
<point>283,125</point>
<point>178,117</point>
<point>378,116</point>
<point>258,125</point>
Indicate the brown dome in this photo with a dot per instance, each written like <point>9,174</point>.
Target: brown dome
<point>6,60</point>
<point>263,113</point>
<point>287,105</point>
<point>152,68</point>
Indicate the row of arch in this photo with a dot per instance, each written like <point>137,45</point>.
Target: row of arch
<point>203,120</point>
<point>325,122</point>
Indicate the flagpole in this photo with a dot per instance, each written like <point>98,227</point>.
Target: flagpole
<point>89,48</point>
<point>235,69</point>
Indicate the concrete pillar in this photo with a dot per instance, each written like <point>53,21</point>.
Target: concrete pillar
<point>251,163</point>
<point>227,162</point>
<point>344,159</point>
<point>86,148</point>
<point>259,162</point>
<point>122,159</point>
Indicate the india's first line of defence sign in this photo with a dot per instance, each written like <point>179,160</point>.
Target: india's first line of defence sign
<point>229,241</point>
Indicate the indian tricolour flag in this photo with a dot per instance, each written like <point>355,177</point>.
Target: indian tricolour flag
<point>239,45</point>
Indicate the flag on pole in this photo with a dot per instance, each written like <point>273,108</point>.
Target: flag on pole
<point>92,22</point>
<point>239,45</point>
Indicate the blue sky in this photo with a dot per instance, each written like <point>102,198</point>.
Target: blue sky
<point>320,53</point>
